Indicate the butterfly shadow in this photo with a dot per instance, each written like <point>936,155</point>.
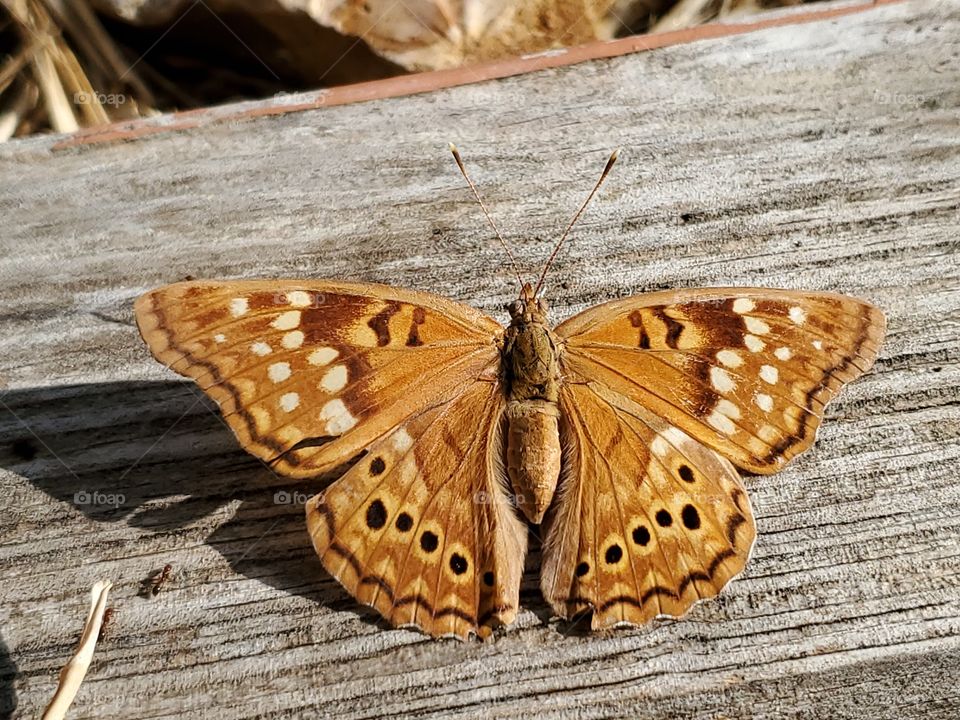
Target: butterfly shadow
<point>8,674</point>
<point>158,457</point>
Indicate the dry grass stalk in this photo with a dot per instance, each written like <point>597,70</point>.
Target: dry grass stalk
<point>37,30</point>
<point>98,49</point>
<point>76,669</point>
<point>24,100</point>
<point>75,91</point>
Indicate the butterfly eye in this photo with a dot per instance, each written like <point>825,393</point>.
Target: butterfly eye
<point>517,308</point>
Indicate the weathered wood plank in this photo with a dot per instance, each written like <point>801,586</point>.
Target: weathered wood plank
<point>824,156</point>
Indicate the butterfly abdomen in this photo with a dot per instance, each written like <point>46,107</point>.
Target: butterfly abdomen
<point>533,454</point>
<point>533,438</point>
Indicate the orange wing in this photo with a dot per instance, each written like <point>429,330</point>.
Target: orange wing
<point>647,521</point>
<point>422,529</point>
<point>660,392</point>
<point>745,371</point>
<point>309,373</point>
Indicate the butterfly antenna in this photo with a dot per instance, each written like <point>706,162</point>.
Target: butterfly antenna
<point>463,170</point>
<point>556,248</point>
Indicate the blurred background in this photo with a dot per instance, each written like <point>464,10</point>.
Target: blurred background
<point>70,64</point>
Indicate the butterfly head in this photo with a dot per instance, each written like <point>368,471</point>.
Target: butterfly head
<point>527,308</point>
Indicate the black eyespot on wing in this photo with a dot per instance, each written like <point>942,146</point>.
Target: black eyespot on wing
<point>613,555</point>
<point>377,466</point>
<point>458,563</point>
<point>691,518</point>
<point>429,541</point>
<point>582,569</point>
<point>488,578</point>
<point>686,473</point>
<point>404,522</point>
<point>641,536</point>
<point>376,515</point>
<point>664,519</point>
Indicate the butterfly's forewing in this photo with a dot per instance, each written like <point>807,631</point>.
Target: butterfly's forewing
<point>308,374</point>
<point>421,528</point>
<point>745,371</point>
<point>647,522</point>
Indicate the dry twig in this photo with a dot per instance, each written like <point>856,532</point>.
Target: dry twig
<point>74,671</point>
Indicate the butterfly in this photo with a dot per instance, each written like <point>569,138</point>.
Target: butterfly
<point>618,432</point>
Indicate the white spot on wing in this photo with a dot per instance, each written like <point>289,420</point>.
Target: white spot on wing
<point>756,326</point>
<point>769,434</point>
<point>337,418</point>
<point>238,306</point>
<point>663,442</point>
<point>260,348</point>
<point>798,314</point>
<point>335,379</point>
<point>721,422</point>
<point>753,343</point>
<point>721,380</point>
<point>402,440</point>
<point>289,401</point>
<point>769,374</point>
<point>725,407</point>
<point>219,338</point>
<point>743,305</point>
<point>288,320</point>
<point>322,356</point>
<point>764,402</point>
<point>659,446</point>
<point>730,358</point>
<point>783,353</point>
<point>818,344</point>
<point>298,298</point>
<point>278,372</point>
<point>675,436</point>
<point>292,340</point>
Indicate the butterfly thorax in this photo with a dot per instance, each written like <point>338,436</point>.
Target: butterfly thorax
<point>531,379</point>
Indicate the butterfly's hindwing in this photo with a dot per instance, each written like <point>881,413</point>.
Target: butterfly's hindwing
<point>745,371</point>
<point>308,374</point>
<point>646,521</point>
<point>421,527</point>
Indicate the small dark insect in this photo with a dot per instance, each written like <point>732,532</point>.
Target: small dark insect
<point>107,617</point>
<point>161,579</point>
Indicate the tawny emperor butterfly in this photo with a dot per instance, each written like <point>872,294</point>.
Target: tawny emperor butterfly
<point>618,431</point>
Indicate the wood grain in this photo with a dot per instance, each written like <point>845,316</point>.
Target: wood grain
<point>822,156</point>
